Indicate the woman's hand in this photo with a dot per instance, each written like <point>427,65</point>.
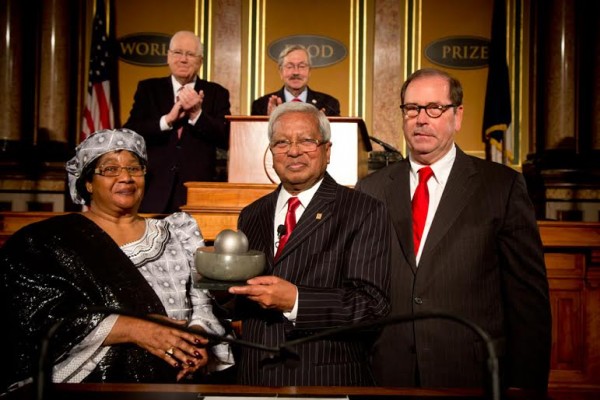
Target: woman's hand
<point>179,348</point>
<point>191,369</point>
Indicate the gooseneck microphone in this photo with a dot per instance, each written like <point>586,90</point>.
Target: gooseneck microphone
<point>492,362</point>
<point>386,146</point>
<point>285,352</point>
<point>326,107</point>
<point>43,375</point>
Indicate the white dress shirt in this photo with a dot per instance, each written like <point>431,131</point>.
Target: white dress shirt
<point>280,211</point>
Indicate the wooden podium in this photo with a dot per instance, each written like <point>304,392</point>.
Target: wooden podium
<point>250,160</point>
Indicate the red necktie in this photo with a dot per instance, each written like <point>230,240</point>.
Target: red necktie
<point>290,223</point>
<point>296,99</point>
<point>420,204</point>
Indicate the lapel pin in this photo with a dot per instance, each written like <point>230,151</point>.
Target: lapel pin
<point>319,216</point>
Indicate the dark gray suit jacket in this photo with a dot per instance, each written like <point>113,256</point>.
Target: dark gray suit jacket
<point>330,104</point>
<point>483,261</point>
<point>338,258</point>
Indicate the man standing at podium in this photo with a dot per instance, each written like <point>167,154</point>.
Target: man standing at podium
<point>327,263</point>
<point>182,119</point>
<point>294,69</point>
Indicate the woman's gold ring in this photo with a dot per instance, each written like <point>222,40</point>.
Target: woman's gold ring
<point>169,352</point>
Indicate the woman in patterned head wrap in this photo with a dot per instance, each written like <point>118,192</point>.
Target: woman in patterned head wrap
<point>107,256</point>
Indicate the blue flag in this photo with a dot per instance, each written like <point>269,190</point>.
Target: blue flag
<point>497,113</point>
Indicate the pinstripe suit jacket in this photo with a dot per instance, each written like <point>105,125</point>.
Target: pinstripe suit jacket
<point>338,257</point>
<point>482,260</point>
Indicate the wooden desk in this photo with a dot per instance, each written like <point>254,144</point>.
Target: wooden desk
<point>193,392</point>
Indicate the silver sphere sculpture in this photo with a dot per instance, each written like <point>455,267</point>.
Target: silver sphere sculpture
<point>231,242</point>
<point>229,259</point>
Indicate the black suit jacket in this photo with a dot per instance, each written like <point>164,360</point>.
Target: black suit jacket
<point>330,104</point>
<point>337,256</point>
<point>482,260</point>
<point>173,161</point>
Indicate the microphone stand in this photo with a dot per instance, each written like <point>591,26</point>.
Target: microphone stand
<point>386,146</point>
<point>43,376</point>
<point>492,363</point>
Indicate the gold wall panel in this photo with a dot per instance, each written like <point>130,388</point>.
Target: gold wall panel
<point>277,19</point>
<point>385,41</point>
<point>136,16</point>
<point>440,19</point>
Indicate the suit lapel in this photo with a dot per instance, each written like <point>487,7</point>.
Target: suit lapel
<point>265,229</point>
<point>318,212</point>
<point>457,193</point>
<point>166,102</point>
<point>280,94</point>
<point>397,193</point>
<point>312,98</point>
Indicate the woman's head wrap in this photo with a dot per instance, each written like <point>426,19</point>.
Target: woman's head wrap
<point>97,144</point>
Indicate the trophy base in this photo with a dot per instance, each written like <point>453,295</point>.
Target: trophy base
<point>212,284</point>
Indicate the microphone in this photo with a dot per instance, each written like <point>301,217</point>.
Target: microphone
<point>281,231</point>
<point>282,354</point>
<point>492,363</point>
<point>328,110</point>
<point>387,147</point>
<point>43,374</point>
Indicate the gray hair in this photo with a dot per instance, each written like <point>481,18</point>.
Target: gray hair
<point>288,49</point>
<point>305,108</point>
<point>199,45</point>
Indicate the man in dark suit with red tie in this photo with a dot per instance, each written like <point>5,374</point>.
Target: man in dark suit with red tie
<point>468,245</point>
<point>294,65</point>
<point>327,254</point>
<point>182,119</point>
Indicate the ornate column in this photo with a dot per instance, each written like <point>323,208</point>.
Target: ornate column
<point>591,48</point>
<point>54,75</point>
<point>556,85</point>
<point>11,79</point>
<point>564,173</point>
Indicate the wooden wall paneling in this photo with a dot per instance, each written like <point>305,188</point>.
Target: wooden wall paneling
<point>572,254</point>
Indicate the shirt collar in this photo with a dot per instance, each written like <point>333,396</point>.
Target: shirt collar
<point>441,168</point>
<point>302,96</point>
<point>304,196</point>
<point>177,85</point>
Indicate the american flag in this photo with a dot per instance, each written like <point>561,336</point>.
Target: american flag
<point>497,114</point>
<point>98,112</point>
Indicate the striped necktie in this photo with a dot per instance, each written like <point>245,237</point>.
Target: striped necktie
<point>180,129</point>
